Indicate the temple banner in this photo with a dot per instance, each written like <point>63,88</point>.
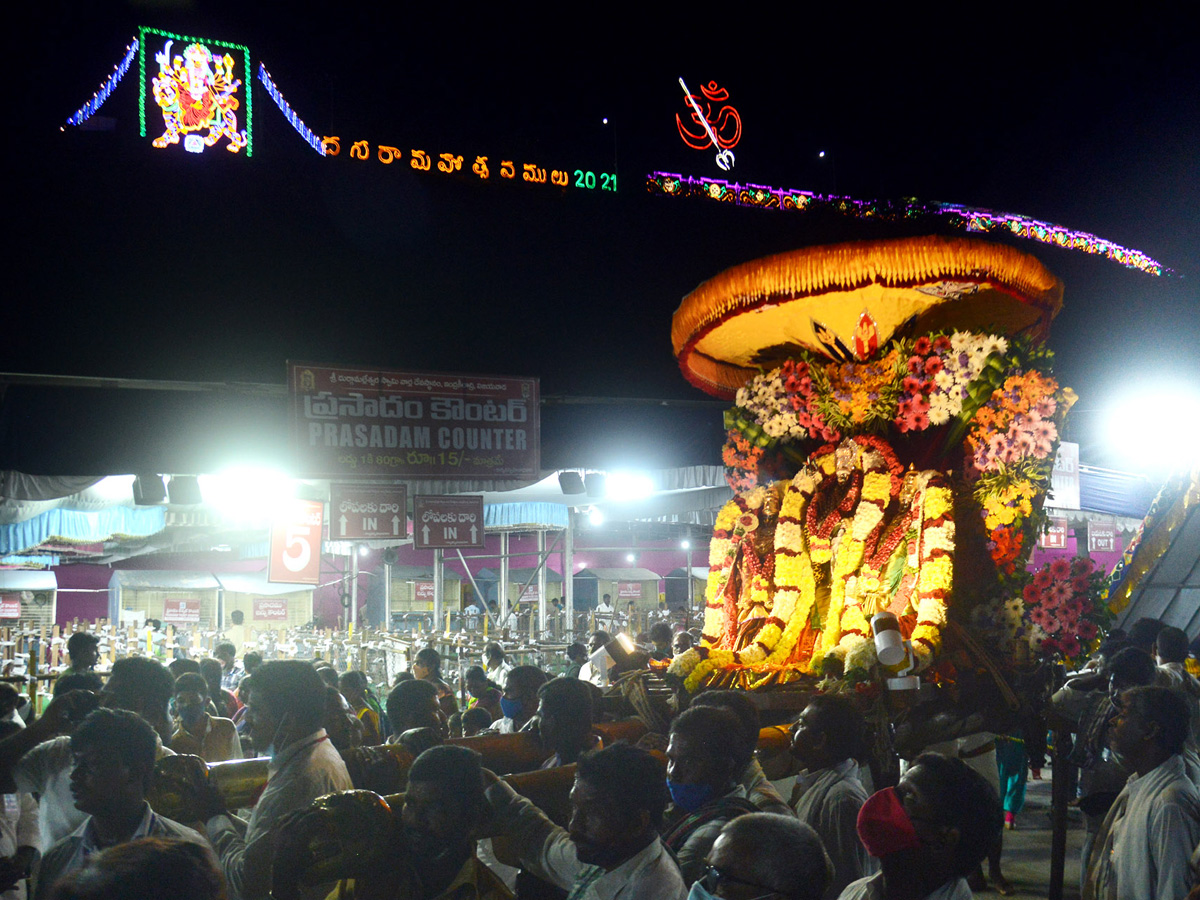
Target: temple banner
<point>183,610</point>
<point>362,423</point>
<point>270,609</point>
<point>1064,480</point>
<point>629,590</point>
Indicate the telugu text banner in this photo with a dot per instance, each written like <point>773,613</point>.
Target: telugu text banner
<point>349,422</point>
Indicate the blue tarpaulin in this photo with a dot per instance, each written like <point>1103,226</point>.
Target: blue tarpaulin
<point>83,527</point>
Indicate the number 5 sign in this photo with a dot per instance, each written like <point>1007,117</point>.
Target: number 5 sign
<point>296,544</point>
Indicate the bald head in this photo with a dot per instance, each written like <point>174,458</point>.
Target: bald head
<point>777,853</point>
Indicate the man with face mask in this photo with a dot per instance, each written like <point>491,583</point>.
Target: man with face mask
<point>928,833</point>
<point>519,702</point>
<point>704,761</point>
<point>286,707</point>
<point>764,856</point>
<point>611,849</point>
<point>211,738</point>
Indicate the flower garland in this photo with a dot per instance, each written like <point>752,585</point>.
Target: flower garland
<point>936,569</point>
<point>781,590</point>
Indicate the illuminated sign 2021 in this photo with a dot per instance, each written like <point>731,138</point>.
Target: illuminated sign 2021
<point>588,180</point>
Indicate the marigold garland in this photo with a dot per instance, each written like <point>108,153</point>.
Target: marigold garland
<point>856,540</point>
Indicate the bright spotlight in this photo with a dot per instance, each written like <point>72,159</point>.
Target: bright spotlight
<point>364,550</point>
<point>595,516</point>
<point>252,495</point>
<point>629,557</point>
<point>625,486</point>
<point>1156,428</point>
<point>685,545</point>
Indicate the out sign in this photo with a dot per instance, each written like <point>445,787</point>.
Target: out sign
<point>448,523</point>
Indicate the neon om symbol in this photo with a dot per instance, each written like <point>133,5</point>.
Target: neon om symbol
<point>722,131</point>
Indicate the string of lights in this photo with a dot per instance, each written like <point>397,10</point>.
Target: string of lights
<point>88,109</point>
<point>288,113</point>
<point>670,184</point>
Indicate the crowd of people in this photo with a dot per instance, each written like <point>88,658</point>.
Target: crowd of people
<point>687,814</point>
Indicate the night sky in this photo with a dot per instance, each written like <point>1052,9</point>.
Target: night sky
<point>134,262</point>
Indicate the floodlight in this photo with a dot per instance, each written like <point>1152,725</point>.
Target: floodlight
<point>595,516</point>
<point>625,486</point>
<point>685,545</point>
<point>247,494</point>
<point>1156,428</point>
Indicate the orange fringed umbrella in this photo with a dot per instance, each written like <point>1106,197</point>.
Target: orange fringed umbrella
<point>842,300</point>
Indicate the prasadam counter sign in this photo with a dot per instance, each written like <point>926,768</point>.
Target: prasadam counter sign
<point>349,422</point>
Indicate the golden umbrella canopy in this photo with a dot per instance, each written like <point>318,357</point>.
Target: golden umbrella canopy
<point>842,300</point>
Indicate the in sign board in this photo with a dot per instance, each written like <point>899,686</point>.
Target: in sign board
<point>270,609</point>
<point>296,544</point>
<point>185,610</point>
<point>423,592</point>
<point>366,423</point>
<point>368,512</point>
<point>10,607</point>
<point>629,590</point>
<point>1055,537</point>
<point>448,522</point>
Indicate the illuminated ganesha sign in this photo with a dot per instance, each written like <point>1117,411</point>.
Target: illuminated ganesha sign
<point>197,93</point>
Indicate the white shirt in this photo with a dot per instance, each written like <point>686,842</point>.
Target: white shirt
<point>548,851</point>
<point>305,770</point>
<point>829,800</point>
<point>220,742</point>
<point>595,669</point>
<point>18,828</point>
<point>1147,838</point>
<point>872,888</point>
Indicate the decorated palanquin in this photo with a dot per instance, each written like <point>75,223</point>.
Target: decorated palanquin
<point>893,432</point>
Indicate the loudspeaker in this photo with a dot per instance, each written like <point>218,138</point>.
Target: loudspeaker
<point>597,484</point>
<point>391,556</point>
<point>570,483</point>
<point>184,490</point>
<point>148,490</point>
